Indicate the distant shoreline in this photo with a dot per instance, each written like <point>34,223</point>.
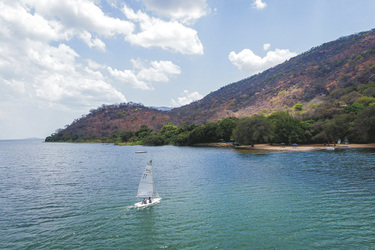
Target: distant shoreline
<point>289,148</point>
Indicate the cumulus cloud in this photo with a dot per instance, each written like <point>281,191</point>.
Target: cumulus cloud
<point>186,98</point>
<point>41,66</point>
<point>49,82</point>
<point>155,32</point>
<point>266,46</point>
<point>143,73</point>
<point>40,73</point>
<point>51,73</point>
<point>92,42</point>
<point>158,71</point>
<point>80,16</point>
<point>186,12</point>
<point>31,65</point>
<point>18,22</point>
<point>56,20</point>
<point>248,61</point>
<point>129,77</point>
<point>258,4</point>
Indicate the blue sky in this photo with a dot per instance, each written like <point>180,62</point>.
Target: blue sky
<point>61,58</point>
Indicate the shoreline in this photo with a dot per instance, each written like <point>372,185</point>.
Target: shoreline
<point>289,148</point>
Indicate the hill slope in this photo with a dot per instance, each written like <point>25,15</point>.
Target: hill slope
<point>111,119</point>
<point>332,70</point>
<point>321,81</point>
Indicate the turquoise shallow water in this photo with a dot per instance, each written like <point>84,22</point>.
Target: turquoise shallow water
<point>59,195</point>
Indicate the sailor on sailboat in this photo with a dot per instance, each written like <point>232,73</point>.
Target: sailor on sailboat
<point>147,188</point>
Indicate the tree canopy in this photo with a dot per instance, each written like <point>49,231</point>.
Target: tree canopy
<point>251,130</point>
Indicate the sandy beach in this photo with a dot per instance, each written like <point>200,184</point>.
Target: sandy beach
<point>298,148</point>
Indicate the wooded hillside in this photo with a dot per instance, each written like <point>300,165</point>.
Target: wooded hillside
<point>110,120</point>
<point>326,81</point>
<point>333,74</point>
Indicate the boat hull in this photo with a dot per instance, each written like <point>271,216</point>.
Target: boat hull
<point>154,201</point>
<point>330,148</point>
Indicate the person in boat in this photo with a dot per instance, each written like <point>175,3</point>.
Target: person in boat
<point>149,200</point>
<point>144,201</point>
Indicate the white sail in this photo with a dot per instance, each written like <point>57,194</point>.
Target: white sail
<point>146,184</point>
<point>147,188</point>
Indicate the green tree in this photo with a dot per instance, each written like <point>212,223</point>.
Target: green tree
<point>318,133</point>
<point>338,127</point>
<point>251,130</point>
<point>209,130</point>
<point>115,133</point>
<point>298,107</point>
<point>196,135</point>
<point>203,134</point>
<point>288,129</point>
<point>365,101</point>
<point>355,108</point>
<point>126,135</point>
<point>169,132</point>
<point>364,126</point>
<point>183,134</point>
<point>278,115</point>
<point>225,128</point>
<point>153,139</point>
<point>142,132</point>
<point>185,128</point>
<point>182,138</point>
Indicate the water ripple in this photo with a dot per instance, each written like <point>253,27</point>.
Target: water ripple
<point>82,196</point>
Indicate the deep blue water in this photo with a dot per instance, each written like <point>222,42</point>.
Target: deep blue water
<point>61,195</point>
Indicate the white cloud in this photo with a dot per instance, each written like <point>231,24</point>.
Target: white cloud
<point>42,75</point>
<point>251,63</point>
<point>155,32</point>
<point>144,73</point>
<point>266,46</point>
<point>96,43</point>
<point>129,77</point>
<point>40,70</point>
<point>18,22</point>
<point>49,83</point>
<point>54,20</point>
<point>258,4</point>
<point>186,12</point>
<point>94,65</point>
<point>80,16</point>
<point>159,71</point>
<point>52,74</point>
<point>186,98</point>
<point>30,64</point>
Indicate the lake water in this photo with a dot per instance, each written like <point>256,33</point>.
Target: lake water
<point>61,195</point>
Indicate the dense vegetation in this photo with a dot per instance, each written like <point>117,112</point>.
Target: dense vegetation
<point>355,122</point>
<point>320,96</point>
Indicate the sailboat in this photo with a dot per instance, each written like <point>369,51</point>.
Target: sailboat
<point>147,189</point>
